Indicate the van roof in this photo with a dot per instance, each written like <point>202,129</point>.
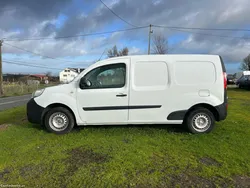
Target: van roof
<point>162,55</point>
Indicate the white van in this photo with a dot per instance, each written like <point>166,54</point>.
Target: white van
<point>146,89</point>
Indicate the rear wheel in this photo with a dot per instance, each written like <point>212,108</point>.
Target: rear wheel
<point>59,120</point>
<point>200,120</point>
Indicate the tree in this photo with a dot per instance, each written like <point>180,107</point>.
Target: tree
<point>245,65</point>
<point>160,44</point>
<point>113,52</point>
<point>49,74</point>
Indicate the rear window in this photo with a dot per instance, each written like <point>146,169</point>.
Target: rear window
<point>194,73</point>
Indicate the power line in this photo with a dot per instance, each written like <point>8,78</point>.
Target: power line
<point>213,35</point>
<point>25,62</point>
<point>29,65</point>
<point>76,36</point>
<point>22,62</point>
<point>205,29</point>
<point>117,14</point>
<point>22,49</point>
<point>122,30</point>
<point>208,34</point>
<point>7,9</point>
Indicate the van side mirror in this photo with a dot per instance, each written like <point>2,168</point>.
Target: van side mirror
<point>84,83</point>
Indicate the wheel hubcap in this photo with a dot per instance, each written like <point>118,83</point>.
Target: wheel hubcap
<point>58,121</point>
<point>201,122</point>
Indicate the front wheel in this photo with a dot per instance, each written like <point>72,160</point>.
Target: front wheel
<point>200,120</point>
<point>59,120</point>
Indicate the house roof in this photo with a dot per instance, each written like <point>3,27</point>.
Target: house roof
<point>38,75</point>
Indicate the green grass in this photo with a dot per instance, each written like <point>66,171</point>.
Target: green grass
<point>13,116</point>
<point>127,156</point>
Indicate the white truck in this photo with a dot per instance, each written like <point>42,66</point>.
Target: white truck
<point>144,89</point>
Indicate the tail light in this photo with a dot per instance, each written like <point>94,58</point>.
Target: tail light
<point>225,80</point>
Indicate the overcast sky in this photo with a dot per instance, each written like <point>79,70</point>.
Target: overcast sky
<point>56,18</point>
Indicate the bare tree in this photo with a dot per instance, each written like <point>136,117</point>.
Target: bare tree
<point>49,74</point>
<point>245,65</point>
<point>124,52</point>
<point>115,53</point>
<point>160,44</point>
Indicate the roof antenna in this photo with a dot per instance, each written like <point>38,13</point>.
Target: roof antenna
<point>102,54</point>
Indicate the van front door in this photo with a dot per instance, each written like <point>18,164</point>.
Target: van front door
<point>104,97</point>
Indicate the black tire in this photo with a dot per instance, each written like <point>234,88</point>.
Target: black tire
<point>204,114</point>
<point>67,120</point>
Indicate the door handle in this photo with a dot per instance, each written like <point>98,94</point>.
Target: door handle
<point>121,95</point>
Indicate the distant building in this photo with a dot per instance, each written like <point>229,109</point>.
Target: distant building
<point>29,78</point>
<point>42,77</point>
<point>68,74</point>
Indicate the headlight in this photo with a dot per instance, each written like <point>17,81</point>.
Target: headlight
<point>37,93</point>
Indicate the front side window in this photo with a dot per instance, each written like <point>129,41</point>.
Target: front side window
<point>107,76</point>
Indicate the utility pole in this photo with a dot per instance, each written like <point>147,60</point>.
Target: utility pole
<point>1,70</point>
<point>149,37</point>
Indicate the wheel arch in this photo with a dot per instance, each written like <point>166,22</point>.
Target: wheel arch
<point>204,105</point>
<point>54,105</point>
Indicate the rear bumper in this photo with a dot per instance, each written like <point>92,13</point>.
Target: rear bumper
<point>34,112</point>
<point>222,112</point>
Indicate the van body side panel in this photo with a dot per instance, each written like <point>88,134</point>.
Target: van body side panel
<point>186,81</point>
<point>196,80</point>
<point>149,85</point>
<point>62,94</point>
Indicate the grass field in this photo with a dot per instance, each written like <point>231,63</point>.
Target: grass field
<point>128,156</point>
<point>15,89</point>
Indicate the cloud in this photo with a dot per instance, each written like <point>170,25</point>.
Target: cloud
<point>134,51</point>
<point>29,18</point>
<point>34,9</point>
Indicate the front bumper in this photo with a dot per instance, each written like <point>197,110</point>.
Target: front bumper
<point>34,112</point>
